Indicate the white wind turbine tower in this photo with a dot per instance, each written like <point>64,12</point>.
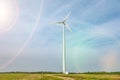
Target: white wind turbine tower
<point>64,40</point>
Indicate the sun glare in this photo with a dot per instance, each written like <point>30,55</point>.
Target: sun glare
<point>4,12</point>
<point>8,13</point>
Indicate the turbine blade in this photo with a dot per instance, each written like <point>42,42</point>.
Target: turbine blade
<point>67,16</point>
<point>55,22</point>
<point>68,27</point>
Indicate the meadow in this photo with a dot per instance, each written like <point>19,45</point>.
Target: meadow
<point>44,76</point>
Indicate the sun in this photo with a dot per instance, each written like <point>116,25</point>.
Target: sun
<point>8,14</point>
<point>4,12</point>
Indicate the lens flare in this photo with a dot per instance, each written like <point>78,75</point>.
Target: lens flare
<point>38,17</point>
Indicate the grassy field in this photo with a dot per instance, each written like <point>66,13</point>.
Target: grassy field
<point>93,76</point>
<point>25,76</point>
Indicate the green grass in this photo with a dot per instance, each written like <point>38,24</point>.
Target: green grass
<point>25,76</point>
<point>92,76</point>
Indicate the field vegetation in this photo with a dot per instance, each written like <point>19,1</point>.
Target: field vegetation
<point>59,76</point>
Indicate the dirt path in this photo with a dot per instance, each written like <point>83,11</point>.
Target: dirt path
<point>64,78</point>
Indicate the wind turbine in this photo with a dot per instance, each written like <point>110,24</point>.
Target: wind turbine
<point>64,40</point>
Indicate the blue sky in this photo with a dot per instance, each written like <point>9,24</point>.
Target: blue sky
<point>35,45</point>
